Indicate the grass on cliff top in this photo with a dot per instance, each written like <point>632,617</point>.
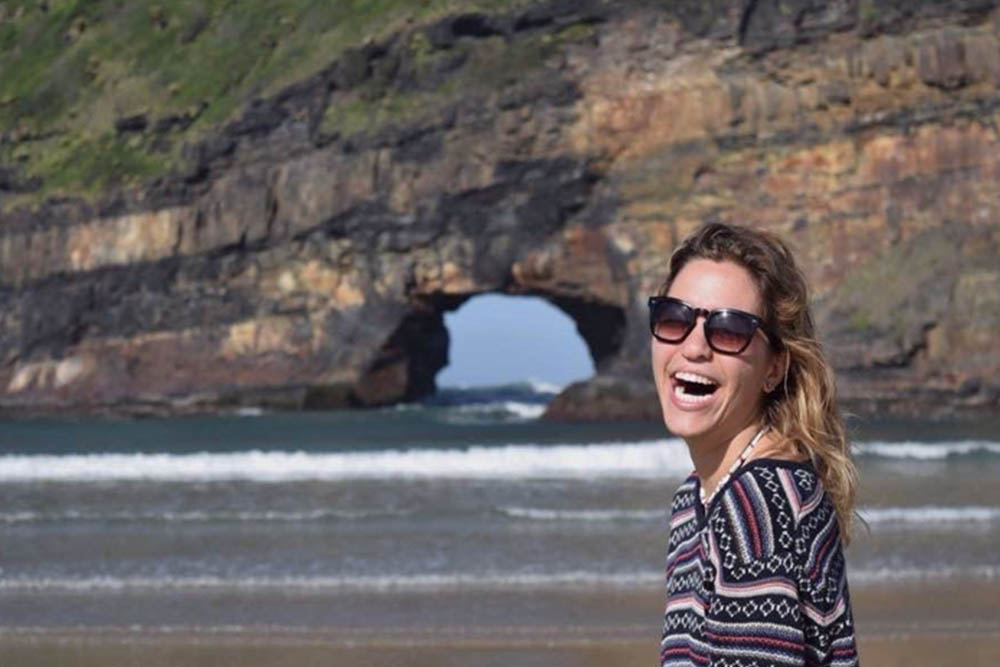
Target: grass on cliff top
<point>490,64</point>
<point>69,69</point>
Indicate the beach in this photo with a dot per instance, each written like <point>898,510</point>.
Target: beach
<point>467,534</point>
<point>934,623</point>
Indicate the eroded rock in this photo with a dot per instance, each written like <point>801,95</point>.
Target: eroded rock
<point>308,253</point>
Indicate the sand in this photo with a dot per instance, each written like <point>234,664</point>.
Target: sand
<point>931,649</point>
<point>929,623</point>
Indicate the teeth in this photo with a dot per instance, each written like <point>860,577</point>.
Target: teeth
<point>691,377</point>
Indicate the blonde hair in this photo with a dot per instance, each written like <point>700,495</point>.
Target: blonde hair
<point>802,409</point>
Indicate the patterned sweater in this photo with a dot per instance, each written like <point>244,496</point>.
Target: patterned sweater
<point>758,579</point>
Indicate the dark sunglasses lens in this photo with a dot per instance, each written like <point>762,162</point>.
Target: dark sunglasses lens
<point>670,320</point>
<point>730,332</point>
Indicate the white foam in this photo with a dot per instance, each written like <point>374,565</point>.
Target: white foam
<point>318,584</point>
<point>543,514</point>
<point>650,459</point>
<point>536,385</point>
<point>921,515</point>
<point>892,516</point>
<point>516,409</point>
<point>524,410</point>
<point>930,514</point>
<point>543,387</point>
<point>926,451</point>
<point>895,574</point>
<point>643,459</point>
<point>431,582</point>
<point>198,516</point>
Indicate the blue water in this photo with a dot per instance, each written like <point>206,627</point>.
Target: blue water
<point>259,519</point>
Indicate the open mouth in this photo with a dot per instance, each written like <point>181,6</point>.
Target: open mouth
<point>693,386</point>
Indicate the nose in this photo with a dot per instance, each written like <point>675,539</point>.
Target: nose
<point>695,346</point>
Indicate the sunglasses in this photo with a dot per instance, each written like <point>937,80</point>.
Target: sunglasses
<point>727,330</point>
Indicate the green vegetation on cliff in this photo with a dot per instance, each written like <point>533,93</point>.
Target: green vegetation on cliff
<point>492,64</point>
<point>81,80</point>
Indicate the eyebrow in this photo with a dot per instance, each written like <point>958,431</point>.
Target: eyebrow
<point>697,307</point>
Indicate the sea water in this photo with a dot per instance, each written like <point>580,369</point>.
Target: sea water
<point>361,519</point>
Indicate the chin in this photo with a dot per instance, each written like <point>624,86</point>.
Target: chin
<point>687,431</point>
<point>685,425</point>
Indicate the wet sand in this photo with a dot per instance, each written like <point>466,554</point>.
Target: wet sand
<point>939,623</point>
<point>927,649</point>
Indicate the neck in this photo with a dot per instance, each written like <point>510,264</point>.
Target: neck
<point>712,460</point>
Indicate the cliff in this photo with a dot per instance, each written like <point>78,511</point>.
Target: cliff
<point>193,226</point>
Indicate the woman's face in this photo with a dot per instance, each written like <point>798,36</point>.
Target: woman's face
<point>739,380</point>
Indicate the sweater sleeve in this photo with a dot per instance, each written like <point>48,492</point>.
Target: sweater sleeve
<point>777,576</point>
<point>827,620</point>
<point>754,618</point>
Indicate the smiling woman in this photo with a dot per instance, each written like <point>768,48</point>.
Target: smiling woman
<point>498,339</point>
<point>714,392</point>
<point>755,566</point>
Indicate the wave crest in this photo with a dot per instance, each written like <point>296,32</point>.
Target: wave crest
<point>927,451</point>
<point>649,459</point>
<point>543,514</point>
<point>639,459</point>
<point>432,582</point>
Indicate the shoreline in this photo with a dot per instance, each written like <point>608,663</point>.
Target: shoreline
<point>398,638</point>
<point>254,650</point>
<point>916,624</point>
<point>901,412</point>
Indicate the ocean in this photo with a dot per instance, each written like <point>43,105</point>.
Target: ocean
<point>462,510</point>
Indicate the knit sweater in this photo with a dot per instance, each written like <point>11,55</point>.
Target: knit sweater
<point>758,578</point>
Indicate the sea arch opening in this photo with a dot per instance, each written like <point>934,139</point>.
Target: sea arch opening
<point>497,339</point>
<point>409,364</point>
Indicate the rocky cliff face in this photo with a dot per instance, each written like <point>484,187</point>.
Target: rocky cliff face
<point>306,256</point>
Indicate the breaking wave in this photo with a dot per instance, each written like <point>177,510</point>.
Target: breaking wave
<point>928,451</point>
<point>643,459</point>
<point>437,582</point>
<point>638,459</point>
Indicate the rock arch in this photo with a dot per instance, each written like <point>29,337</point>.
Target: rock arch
<point>576,273</point>
<point>306,246</point>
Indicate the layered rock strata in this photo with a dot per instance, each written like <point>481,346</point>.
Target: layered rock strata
<point>307,256</point>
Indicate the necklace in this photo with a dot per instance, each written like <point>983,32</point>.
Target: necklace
<point>736,464</point>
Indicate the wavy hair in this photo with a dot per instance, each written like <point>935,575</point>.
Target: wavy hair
<point>802,409</point>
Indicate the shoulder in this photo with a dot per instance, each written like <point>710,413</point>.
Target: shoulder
<point>683,509</point>
<point>786,484</point>
<point>776,484</point>
<point>770,506</point>
<point>686,494</point>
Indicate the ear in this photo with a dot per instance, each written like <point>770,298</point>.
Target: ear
<point>777,370</point>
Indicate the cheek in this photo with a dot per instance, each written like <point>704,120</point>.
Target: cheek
<point>659,354</point>
<point>750,382</point>
<point>658,358</point>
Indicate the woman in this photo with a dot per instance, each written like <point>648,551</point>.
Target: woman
<point>755,566</point>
